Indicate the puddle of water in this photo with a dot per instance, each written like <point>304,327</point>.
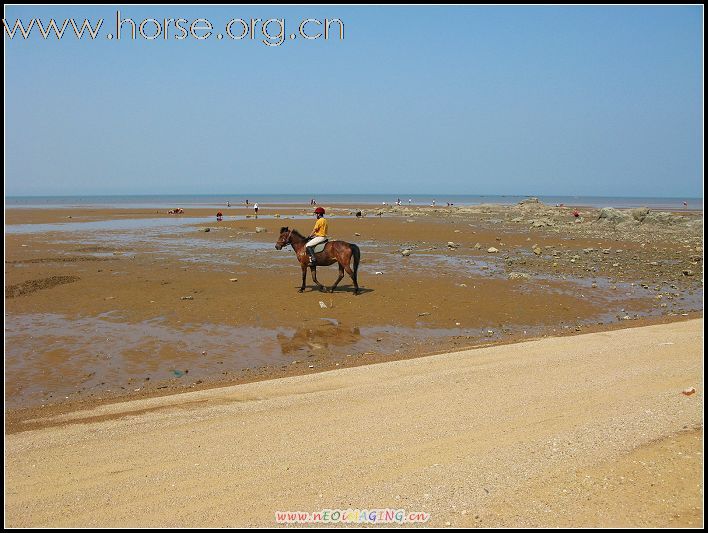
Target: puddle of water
<point>385,257</point>
<point>185,246</point>
<point>126,224</point>
<point>53,354</point>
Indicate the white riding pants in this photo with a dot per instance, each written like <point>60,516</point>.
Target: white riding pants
<point>314,241</point>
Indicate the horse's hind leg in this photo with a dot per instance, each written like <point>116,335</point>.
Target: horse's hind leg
<point>352,274</point>
<point>341,275</point>
<point>314,278</point>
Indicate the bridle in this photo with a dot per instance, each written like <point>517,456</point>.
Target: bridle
<point>287,241</point>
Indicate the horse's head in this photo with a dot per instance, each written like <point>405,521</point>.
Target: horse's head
<point>284,238</point>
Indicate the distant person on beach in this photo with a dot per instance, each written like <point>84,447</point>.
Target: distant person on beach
<point>228,204</point>
<point>246,201</point>
<point>433,204</point>
<point>318,235</point>
<point>409,201</point>
<point>255,208</point>
<point>219,215</point>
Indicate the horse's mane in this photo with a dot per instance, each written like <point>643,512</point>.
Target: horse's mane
<point>293,232</point>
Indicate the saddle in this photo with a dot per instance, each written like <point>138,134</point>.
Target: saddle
<point>319,247</point>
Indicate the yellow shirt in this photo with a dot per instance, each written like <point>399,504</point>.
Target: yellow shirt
<point>320,228</point>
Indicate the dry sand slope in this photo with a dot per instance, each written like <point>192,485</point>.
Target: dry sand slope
<point>586,430</point>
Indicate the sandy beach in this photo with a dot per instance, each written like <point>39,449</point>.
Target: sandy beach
<point>565,410</point>
<point>107,304</point>
<point>591,430</point>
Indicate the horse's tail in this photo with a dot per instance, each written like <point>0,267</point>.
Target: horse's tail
<point>356,253</point>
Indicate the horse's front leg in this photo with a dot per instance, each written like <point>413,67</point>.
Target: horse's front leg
<point>304,276</point>
<point>314,277</point>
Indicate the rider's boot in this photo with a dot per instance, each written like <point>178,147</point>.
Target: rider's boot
<point>311,253</point>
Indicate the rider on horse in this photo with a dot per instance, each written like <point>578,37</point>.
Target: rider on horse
<point>318,235</point>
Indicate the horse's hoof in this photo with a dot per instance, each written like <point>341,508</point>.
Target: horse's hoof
<point>301,290</point>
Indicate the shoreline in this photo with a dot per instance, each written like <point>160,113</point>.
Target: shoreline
<point>520,434</point>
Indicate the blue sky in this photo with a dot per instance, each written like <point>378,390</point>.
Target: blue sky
<point>458,100</point>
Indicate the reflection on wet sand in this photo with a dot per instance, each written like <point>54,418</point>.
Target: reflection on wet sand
<point>318,337</point>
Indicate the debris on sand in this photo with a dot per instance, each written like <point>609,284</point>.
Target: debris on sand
<point>640,213</point>
<point>542,223</point>
<point>530,200</point>
<point>27,287</point>
<point>611,214</point>
<point>518,275</point>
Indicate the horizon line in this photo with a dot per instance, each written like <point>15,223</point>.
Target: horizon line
<point>439,194</point>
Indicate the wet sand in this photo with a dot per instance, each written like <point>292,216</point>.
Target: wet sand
<point>591,430</point>
<point>121,303</point>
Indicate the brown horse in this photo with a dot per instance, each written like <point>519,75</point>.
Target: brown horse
<point>334,252</point>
